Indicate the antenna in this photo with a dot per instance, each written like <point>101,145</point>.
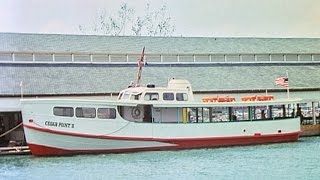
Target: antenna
<point>21,89</point>
<point>140,65</point>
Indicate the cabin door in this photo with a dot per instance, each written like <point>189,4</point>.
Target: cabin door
<point>147,113</point>
<point>156,115</point>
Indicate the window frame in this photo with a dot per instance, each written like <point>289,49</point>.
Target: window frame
<point>151,96</point>
<point>184,97</point>
<point>126,95</point>
<point>112,113</point>
<point>83,115</point>
<point>63,114</point>
<point>165,99</point>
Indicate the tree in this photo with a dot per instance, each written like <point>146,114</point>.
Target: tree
<point>110,25</point>
<point>152,23</point>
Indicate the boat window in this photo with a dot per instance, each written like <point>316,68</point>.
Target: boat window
<point>243,113</point>
<point>234,114</point>
<point>206,117</point>
<point>85,112</point>
<point>261,112</point>
<point>168,96</point>
<point>135,97</point>
<point>280,111</point>
<point>193,115</point>
<point>182,97</point>
<point>63,111</point>
<point>106,113</point>
<point>151,97</point>
<point>219,114</point>
<point>125,95</point>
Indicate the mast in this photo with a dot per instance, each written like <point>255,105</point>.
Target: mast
<point>288,92</point>
<point>140,65</point>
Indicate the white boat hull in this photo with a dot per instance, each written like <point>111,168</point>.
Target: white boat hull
<point>48,133</point>
<point>45,141</point>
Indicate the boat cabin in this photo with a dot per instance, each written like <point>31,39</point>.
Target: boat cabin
<point>175,104</point>
<point>178,91</point>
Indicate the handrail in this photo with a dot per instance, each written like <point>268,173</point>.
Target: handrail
<point>108,57</point>
<point>150,53</point>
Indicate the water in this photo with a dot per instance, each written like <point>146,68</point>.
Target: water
<point>299,160</point>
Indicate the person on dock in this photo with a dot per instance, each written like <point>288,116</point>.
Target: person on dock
<point>263,114</point>
<point>299,114</point>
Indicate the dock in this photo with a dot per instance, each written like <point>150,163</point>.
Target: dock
<point>16,150</point>
<point>310,130</point>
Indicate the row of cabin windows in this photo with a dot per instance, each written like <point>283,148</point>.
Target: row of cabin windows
<point>166,96</point>
<point>85,112</point>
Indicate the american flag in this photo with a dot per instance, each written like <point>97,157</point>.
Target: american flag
<point>282,81</point>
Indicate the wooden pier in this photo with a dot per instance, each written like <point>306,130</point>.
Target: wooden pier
<point>310,130</point>
<point>16,150</point>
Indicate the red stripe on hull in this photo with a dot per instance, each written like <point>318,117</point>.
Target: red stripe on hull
<point>41,150</point>
<point>166,140</point>
<point>87,135</point>
<point>236,140</point>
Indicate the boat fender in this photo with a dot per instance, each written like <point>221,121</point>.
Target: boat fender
<point>136,113</point>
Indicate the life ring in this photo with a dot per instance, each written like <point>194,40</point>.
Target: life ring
<point>136,113</point>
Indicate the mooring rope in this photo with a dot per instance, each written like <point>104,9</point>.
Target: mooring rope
<point>9,131</point>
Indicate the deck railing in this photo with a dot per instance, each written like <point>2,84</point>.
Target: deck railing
<point>53,57</point>
<point>309,121</point>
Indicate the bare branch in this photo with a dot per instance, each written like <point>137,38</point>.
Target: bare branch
<point>152,23</point>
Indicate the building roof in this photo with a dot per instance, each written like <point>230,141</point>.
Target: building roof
<point>55,79</point>
<point>17,42</point>
<point>89,78</point>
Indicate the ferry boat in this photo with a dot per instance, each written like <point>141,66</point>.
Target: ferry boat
<point>155,118</point>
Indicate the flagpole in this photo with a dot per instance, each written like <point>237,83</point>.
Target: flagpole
<point>140,64</point>
<point>21,89</point>
<point>288,92</point>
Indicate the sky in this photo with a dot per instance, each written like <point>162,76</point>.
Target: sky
<point>197,18</point>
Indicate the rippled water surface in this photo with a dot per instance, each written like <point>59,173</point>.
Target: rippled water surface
<point>299,160</point>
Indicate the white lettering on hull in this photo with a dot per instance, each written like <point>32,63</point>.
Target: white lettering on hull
<point>59,124</point>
